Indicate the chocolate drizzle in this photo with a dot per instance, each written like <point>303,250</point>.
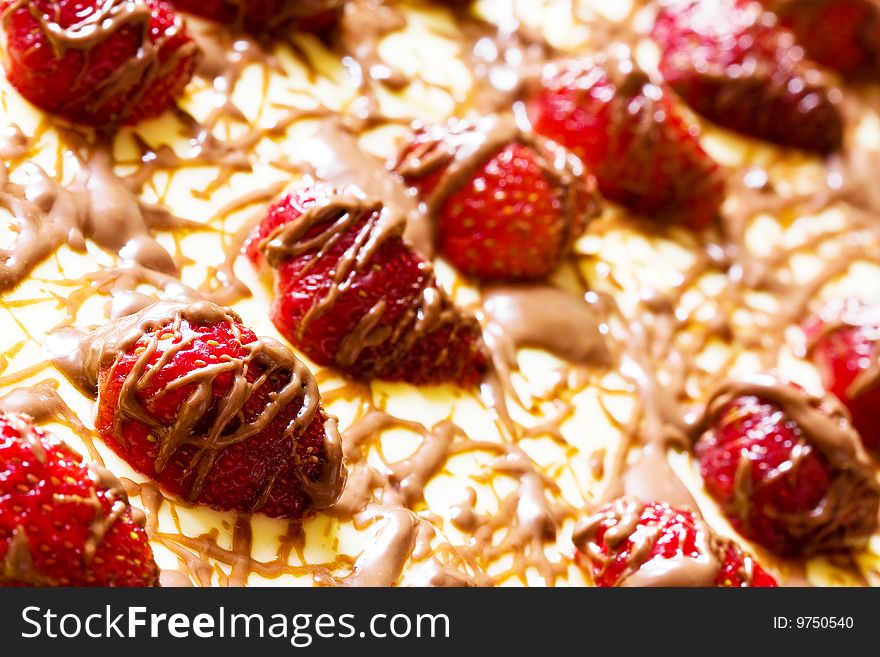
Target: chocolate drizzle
<point>549,318</point>
<point>333,154</point>
<point>97,205</point>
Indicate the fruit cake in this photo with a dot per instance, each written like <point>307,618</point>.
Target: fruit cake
<point>425,293</point>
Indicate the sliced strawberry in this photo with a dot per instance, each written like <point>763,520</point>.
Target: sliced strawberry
<point>843,35</point>
<point>787,468</point>
<point>505,205</point>
<point>631,543</point>
<point>733,63</point>
<point>351,294</point>
<point>98,63</point>
<point>632,137</point>
<point>64,522</point>
<point>216,415</point>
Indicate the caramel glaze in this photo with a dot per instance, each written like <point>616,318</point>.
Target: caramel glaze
<point>653,345</point>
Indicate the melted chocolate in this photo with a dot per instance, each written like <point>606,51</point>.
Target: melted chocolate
<point>97,206</point>
<point>333,154</point>
<point>549,318</point>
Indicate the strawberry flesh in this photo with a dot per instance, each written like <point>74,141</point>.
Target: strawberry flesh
<point>64,522</point>
<point>629,538</point>
<point>98,63</point>
<point>632,137</point>
<point>734,64</point>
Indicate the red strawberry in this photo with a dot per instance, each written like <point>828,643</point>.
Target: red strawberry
<point>505,206</point>
<point>843,35</point>
<point>787,468</point>
<point>631,135</point>
<point>190,397</point>
<point>351,294</point>
<point>844,339</point>
<point>631,543</point>
<point>98,63</point>
<point>732,63</point>
<point>262,15</point>
<point>739,570</point>
<point>64,522</point>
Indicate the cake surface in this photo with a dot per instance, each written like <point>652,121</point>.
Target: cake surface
<point>599,374</point>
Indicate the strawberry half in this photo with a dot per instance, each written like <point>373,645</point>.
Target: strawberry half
<point>64,522</point>
<point>631,543</point>
<point>843,35</point>
<point>98,62</point>
<point>632,137</point>
<point>190,397</point>
<point>733,63</point>
<point>787,468</point>
<point>350,294</point>
<point>505,206</point>
<point>844,346</point>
